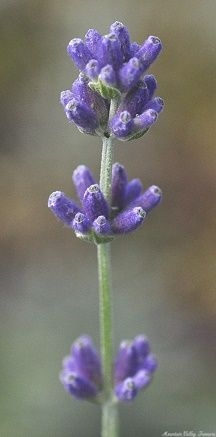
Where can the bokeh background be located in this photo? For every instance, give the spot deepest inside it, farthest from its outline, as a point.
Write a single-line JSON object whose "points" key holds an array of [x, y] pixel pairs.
{"points": [[163, 276]]}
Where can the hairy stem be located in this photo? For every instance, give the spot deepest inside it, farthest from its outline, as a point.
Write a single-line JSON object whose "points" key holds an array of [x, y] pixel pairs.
{"points": [[109, 409]]}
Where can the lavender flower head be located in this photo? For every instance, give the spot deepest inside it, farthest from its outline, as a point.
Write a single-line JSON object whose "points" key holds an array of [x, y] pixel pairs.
{"points": [[113, 67], [93, 219], [81, 373]]}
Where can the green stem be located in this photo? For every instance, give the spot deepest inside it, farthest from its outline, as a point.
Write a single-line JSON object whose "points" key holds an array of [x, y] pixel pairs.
{"points": [[109, 409]]}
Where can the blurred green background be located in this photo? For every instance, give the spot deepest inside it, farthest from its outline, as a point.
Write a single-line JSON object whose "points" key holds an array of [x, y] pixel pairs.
{"points": [[163, 276]]}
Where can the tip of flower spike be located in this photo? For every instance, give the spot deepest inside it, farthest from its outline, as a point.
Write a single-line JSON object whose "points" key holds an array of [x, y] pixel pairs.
{"points": [[126, 391], [54, 198]]}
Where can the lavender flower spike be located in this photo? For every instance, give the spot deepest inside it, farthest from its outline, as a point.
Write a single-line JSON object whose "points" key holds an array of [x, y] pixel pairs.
{"points": [[94, 220], [112, 68]]}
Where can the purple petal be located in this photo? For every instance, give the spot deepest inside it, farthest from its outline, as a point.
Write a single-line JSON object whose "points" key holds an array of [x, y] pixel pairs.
{"points": [[63, 207], [123, 36], [94, 203], [134, 47], [149, 199], [79, 53], [92, 39], [145, 120], [126, 361], [92, 69], [82, 178], [65, 97], [157, 104], [81, 224], [126, 391], [122, 125], [128, 220], [136, 99], [142, 346], [150, 363], [108, 76], [149, 51], [82, 115], [102, 226], [119, 182], [78, 386], [133, 190], [87, 359], [130, 73], [151, 83], [109, 51], [142, 379]]}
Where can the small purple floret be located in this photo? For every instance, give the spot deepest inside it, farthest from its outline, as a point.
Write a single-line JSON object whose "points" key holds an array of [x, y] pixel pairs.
{"points": [[82, 178], [79, 53], [134, 368], [63, 207], [81, 373], [94, 203]]}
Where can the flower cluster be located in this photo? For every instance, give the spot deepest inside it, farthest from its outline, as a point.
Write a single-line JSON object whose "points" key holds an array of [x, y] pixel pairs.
{"points": [[113, 67], [81, 374], [95, 220]]}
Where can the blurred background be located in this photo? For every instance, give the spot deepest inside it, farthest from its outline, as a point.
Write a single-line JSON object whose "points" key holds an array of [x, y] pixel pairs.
{"points": [[163, 276]]}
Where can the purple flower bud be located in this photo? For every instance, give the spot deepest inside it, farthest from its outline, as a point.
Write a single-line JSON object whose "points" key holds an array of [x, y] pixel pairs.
{"points": [[108, 76], [149, 199], [149, 51], [128, 220], [62, 207], [134, 47], [94, 203], [142, 346], [119, 182], [81, 224], [126, 362], [85, 95], [92, 38], [135, 100], [123, 36], [82, 115], [87, 360], [65, 97], [92, 69], [77, 386], [79, 53], [133, 190], [109, 51], [82, 178], [151, 84], [145, 120], [126, 391], [150, 363], [157, 104], [122, 125], [130, 73], [142, 379], [81, 91], [101, 225]]}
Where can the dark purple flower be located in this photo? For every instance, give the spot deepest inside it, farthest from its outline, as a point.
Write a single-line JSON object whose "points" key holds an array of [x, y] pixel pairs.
{"points": [[112, 67], [95, 220], [81, 371], [79, 53], [134, 368]]}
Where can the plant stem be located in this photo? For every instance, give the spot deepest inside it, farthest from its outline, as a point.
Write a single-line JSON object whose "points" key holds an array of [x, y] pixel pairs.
{"points": [[109, 409]]}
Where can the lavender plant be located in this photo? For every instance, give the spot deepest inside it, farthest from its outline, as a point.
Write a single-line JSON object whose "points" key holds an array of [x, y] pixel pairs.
{"points": [[112, 98]]}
